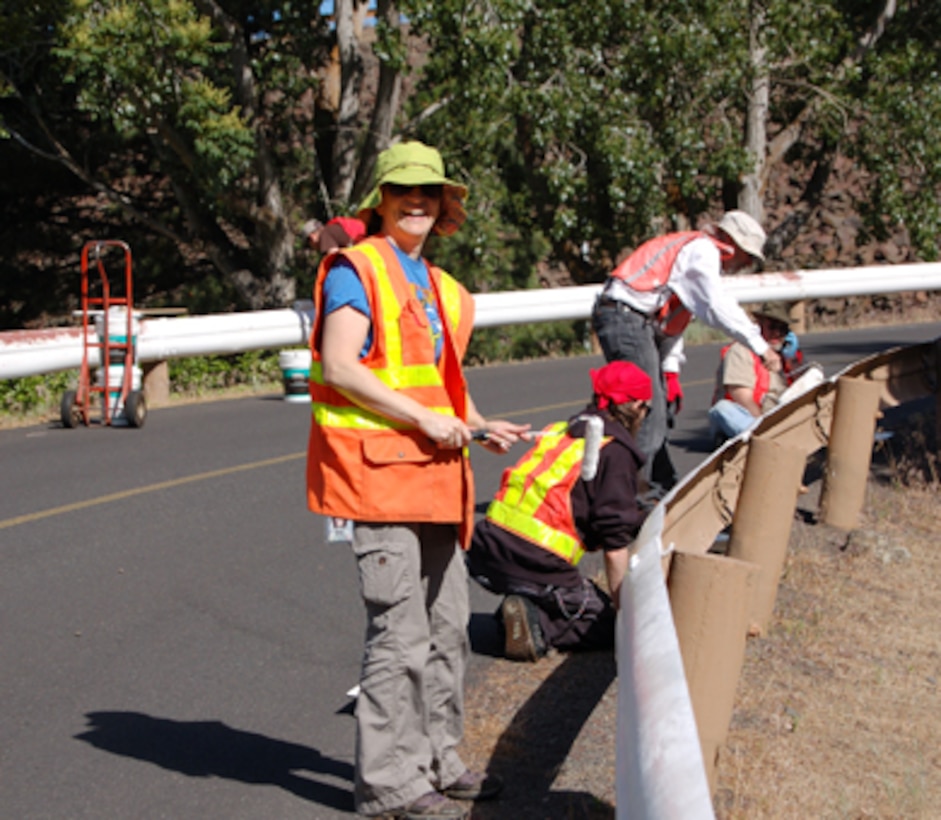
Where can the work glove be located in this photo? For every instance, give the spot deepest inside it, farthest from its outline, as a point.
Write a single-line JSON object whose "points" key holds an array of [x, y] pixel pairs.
{"points": [[791, 346], [674, 392]]}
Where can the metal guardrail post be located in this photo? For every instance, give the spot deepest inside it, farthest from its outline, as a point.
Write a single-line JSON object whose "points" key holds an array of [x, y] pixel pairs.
{"points": [[156, 381], [849, 453], [709, 598], [798, 314], [937, 396], [761, 526]]}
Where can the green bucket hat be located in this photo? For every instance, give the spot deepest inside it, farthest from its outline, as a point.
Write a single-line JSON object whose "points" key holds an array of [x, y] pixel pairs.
{"points": [[414, 163]]}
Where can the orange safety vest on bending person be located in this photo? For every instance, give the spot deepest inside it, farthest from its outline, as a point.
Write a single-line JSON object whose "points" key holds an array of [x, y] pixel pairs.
{"points": [[648, 268], [362, 465], [762, 379], [534, 500]]}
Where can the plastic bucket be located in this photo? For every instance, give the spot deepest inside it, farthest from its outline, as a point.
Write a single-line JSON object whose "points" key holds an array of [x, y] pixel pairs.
{"points": [[295, 371], [115, 376], [117, 333]]}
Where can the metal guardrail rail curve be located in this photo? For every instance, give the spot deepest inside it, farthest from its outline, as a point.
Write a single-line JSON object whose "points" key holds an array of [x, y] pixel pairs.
{"points": [[32, 352], [660, 769]]}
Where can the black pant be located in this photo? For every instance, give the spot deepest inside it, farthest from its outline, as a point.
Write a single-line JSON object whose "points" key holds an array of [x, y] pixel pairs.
{"points": [[573, 614]]}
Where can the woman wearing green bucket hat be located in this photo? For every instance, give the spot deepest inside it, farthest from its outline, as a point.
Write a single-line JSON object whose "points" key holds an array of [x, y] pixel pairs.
{"points": [[406, 165], [391, 423]]}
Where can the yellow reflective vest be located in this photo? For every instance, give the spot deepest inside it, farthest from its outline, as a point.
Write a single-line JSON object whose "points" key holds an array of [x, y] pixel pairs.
{"points": [[362, 465], [534, 500]]}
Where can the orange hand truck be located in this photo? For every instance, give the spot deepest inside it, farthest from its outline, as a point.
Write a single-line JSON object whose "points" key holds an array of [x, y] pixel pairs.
{"points": [[121, 403]]}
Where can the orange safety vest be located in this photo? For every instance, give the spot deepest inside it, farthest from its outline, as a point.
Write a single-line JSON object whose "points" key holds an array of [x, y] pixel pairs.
{"points": [[362, 465], [535, 496], [762, 378], [648, 268]]}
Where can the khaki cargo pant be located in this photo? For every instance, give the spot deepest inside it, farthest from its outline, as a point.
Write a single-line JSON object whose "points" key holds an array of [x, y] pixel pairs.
{"points": [[410, 710]]}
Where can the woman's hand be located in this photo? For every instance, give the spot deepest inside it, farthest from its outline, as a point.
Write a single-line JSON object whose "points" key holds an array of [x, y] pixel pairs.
{"points": [[448, 432], [501, 434]]}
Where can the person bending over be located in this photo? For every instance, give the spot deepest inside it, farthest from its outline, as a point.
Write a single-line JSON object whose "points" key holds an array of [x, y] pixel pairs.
{"points": [[648, 300]]}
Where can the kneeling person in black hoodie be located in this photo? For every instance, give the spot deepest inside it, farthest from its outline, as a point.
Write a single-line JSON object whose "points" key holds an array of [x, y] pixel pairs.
{"points": [[574, 491]]}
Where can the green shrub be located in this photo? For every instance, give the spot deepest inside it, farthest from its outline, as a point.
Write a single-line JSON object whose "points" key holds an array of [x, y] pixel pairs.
{"points": [[35, 395], [40, 396], [197, 375], [516, 342]]}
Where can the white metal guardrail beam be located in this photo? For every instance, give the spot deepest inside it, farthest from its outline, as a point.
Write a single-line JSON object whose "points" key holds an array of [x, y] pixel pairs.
{"points": [[25, 353], [658, 754]]}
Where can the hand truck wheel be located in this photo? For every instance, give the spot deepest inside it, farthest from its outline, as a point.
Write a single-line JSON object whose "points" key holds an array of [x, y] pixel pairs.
{"points": [[69, 411], [135, 407]]}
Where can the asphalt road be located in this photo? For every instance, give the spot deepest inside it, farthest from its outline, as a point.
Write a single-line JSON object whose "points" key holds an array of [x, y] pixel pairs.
{"points": [[178, 640]]}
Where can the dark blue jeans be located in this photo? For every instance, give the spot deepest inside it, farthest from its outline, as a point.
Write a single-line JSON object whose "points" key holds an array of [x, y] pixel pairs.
{"points": [[627, 335]]}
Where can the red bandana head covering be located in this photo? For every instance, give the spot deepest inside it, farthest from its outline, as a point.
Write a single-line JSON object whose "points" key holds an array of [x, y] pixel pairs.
{"points": [[619, 382]]}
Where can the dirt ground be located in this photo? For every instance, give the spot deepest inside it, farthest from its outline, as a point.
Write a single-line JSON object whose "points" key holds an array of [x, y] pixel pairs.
{"points": [[837, 708]]}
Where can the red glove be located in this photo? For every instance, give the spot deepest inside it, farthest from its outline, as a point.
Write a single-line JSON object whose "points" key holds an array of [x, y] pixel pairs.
{"points": [[674, 392]]}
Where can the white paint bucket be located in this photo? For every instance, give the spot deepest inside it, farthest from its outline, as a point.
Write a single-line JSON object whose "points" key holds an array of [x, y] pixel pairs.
{"points": [[295, 370], [117, 333], [115, 376]]}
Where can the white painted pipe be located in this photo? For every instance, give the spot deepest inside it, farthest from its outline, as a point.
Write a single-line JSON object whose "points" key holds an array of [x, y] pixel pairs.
{"points": [[25, 353], [223, 333]]}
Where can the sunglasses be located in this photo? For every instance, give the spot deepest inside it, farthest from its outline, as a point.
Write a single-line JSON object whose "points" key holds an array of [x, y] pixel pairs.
{"points": [[775, 327], [432, 191]]}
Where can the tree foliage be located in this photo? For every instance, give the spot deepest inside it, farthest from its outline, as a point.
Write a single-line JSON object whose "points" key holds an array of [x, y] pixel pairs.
{"points": [[605, 127], [205, 131], [186, 120]]}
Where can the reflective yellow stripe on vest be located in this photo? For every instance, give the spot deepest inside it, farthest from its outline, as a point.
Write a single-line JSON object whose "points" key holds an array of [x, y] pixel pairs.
{"points": [[515, 510], [416, 375], [357, 417], [388, 300], [396, 375], [451, 297]]}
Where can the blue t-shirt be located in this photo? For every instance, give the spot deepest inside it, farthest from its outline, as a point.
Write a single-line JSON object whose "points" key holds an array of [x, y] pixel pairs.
{"points": [[343, 286]]}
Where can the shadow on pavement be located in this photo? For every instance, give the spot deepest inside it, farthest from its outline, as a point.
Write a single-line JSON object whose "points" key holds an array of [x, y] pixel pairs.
{"points": [[535, 746], [212, 749]]}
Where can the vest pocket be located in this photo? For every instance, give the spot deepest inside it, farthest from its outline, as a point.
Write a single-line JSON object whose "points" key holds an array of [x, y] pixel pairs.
{"points": [[398, 450]]}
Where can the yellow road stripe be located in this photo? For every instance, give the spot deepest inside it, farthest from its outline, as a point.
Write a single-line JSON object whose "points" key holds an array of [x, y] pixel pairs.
{"points": [[150, 488], [177, 482], [543, 409]]}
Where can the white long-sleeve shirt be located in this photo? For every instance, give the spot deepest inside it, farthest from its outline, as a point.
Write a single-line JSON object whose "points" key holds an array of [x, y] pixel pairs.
{"points": [[696, 279]]}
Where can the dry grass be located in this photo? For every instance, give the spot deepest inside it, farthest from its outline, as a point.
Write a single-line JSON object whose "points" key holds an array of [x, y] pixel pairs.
{"points": [[837, 709]]}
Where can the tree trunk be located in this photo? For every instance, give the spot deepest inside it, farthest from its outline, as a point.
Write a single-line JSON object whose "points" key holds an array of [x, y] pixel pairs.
{"points": [[351, 75], [384, 112], [751, 195], [790, 134], [274, 239]]}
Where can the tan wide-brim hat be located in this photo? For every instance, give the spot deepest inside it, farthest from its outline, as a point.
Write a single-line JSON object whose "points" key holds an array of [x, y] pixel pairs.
{"points": [[744, 230], [414, 163], [777, 311]]}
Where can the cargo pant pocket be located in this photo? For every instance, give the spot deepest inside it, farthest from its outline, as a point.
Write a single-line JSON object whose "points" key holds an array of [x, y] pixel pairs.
{"points": [[384, 572]]}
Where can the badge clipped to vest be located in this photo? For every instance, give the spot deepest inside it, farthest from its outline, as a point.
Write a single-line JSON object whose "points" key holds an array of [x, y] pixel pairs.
{"points": [[339, 530]]}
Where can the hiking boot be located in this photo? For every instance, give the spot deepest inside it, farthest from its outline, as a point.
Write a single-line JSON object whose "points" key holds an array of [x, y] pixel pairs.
{"points": [[474, 786], [430, 806], [524, 640]]}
